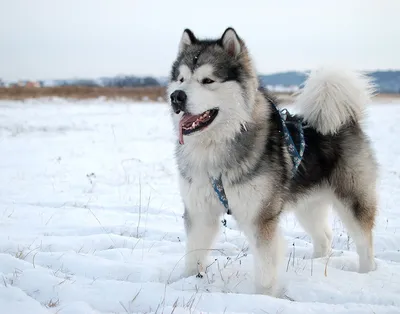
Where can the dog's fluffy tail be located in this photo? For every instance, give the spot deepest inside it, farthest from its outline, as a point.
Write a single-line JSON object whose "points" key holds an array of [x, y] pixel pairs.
{"points": [[331, 98]]}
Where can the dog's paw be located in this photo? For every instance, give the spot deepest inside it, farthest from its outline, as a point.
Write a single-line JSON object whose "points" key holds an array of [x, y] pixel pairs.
{"points": [[271, 289], [367, 266], [321, 253], [189, 272], [192, 269]]}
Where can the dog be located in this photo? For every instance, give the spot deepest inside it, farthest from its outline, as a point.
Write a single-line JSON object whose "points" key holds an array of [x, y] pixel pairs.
{"points": [[233, 155]]}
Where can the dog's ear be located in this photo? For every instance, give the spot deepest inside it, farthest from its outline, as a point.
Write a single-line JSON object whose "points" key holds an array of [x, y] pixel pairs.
{"points": [[187, 39], [231, 42]]}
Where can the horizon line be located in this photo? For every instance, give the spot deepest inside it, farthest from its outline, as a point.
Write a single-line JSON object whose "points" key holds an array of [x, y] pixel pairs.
{"points": [[166, 76]]}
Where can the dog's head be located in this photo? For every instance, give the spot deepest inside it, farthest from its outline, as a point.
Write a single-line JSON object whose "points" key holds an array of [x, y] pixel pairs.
{"points": [[212, 86]]}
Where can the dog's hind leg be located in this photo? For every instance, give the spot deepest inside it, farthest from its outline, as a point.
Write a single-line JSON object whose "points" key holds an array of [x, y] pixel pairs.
{"points": [[354, 186], [313, 217], [358, 216]]}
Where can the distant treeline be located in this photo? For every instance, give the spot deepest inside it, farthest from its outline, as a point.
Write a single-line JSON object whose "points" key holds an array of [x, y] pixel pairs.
{"points": [[386, 81], [118, 81]]}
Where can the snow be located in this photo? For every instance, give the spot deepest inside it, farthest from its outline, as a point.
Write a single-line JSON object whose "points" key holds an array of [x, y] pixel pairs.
{"points": [[90, 222]]}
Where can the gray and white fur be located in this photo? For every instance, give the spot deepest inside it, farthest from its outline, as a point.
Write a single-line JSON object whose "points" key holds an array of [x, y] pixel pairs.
{"points": [[243, 143]]}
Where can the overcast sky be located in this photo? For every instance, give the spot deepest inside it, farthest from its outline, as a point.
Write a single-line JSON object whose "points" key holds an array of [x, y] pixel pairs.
{"points": [[45, 39]]}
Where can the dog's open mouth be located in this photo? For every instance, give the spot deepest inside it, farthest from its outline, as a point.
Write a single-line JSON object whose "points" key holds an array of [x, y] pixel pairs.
{"points": [[192, 123]]}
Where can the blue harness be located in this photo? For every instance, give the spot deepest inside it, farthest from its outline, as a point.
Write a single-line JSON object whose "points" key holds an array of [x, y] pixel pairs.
{"points": [[296, 155], [219, 190]]}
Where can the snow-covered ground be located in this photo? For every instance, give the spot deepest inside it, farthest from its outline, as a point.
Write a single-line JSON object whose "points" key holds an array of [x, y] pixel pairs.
{"points": [[90, 222]]}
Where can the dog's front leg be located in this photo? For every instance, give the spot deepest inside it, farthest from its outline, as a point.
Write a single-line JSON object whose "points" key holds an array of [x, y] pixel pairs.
{"points": [[201, 228], [268, 247]]}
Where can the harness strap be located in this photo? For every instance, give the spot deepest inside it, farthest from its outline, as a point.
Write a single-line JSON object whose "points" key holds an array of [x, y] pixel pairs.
{"points": [[296, 155], [220, 191]]}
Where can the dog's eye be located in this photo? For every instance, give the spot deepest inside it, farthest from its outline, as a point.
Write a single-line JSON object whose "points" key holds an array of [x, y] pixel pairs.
{"points": [[207, 81], [181, 80]]}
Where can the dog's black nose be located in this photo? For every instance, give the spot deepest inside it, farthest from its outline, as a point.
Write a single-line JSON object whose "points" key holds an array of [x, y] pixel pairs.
{"points": [[178, 100]]}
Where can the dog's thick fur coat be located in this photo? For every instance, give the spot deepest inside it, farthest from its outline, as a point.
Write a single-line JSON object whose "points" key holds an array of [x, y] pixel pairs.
{"points": [[244, 145]]}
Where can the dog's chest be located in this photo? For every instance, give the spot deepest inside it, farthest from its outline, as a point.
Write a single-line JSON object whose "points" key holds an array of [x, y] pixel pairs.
{"points": [[199, 195], [245, 200]]}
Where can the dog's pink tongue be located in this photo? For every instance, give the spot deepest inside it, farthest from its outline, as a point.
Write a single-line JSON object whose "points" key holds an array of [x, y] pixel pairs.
{"points": [[187, 119]]}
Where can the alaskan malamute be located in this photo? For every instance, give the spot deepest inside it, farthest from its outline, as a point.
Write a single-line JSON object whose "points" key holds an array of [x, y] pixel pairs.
{"points": [[234, 153]]}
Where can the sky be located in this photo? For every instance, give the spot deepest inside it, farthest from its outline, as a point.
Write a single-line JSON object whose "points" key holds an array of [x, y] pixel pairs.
{"points": [[47, 39]]}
